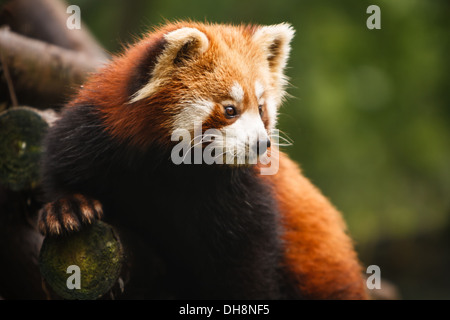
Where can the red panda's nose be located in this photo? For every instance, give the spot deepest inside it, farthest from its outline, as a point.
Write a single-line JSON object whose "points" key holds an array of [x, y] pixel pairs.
{"points": [[262, 146]]}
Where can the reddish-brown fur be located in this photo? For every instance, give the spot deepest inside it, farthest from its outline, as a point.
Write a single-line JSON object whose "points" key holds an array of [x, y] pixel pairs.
{"points": [[106, 89], [318, 251]]}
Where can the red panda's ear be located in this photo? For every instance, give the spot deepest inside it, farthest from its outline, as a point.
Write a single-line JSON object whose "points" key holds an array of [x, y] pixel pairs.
{"points": [[183, 44], [275, 41], [180, 46]]}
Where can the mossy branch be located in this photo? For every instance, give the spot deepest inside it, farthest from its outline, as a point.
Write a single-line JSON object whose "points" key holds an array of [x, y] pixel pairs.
{"points": [[95, 252], [42, 64]]}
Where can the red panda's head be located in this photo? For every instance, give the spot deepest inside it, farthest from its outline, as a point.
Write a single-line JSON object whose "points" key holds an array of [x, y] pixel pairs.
{"points": [[229, 78]]}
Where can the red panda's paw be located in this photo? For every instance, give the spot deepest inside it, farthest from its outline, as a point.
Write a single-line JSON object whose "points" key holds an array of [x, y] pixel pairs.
{"points": [[68, 214]]}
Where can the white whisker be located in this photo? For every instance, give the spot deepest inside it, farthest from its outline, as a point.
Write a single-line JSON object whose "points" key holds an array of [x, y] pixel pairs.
{"points": [[199, 142]]}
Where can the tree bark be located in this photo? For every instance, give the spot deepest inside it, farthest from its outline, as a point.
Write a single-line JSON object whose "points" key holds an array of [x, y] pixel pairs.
{"points": [[42, 62], [21, 133], [46, 60], [45, 20], [43, 75], [95, 252]]}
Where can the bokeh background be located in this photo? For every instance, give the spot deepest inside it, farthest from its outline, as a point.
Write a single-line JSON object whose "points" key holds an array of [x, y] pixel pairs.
{"points": [[369, 115]]}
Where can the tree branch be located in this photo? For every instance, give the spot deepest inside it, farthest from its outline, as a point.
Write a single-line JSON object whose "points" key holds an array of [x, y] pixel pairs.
{"points": [[43, 75], [12, 92], [45, 20]]}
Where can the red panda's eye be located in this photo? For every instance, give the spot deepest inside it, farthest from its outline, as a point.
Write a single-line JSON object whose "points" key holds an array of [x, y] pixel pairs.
{"points": [[230, 111], [261, 111]]}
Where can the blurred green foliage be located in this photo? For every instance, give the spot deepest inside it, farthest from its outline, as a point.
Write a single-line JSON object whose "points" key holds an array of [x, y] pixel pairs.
{"points": [[370, 109]]}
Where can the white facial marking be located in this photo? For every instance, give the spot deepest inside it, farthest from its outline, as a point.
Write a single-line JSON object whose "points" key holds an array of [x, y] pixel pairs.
{"points": [[272, 111], [192, 111], [227, 102], [245, 131], [259, 90], [236, 92]]}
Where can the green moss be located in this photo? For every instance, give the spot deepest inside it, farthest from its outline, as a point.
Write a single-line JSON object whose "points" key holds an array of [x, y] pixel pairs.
{"points": [[21, 133], [96, 250]]}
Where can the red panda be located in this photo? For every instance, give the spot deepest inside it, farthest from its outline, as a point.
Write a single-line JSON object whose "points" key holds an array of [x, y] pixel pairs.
{"points": [[219, 231]]}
